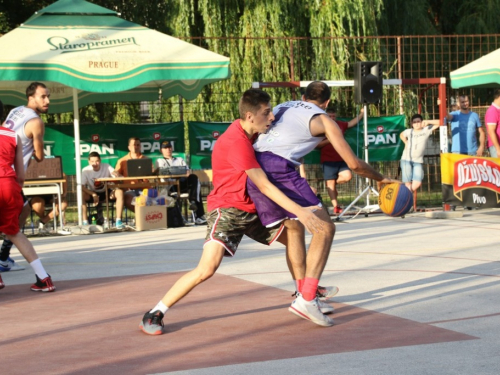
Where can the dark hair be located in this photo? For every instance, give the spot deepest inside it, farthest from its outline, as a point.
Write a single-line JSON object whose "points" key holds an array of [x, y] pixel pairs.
{"points": [[318, 91], [31, 89], [94, 154], [251, 101], [134, 139], [496, 94], [418, 115]]}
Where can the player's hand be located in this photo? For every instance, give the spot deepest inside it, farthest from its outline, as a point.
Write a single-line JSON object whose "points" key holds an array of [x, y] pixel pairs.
{"points": [[312, 223], [387, 180]]}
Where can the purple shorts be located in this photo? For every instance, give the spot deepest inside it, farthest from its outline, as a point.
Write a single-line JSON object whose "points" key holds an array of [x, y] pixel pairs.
{"points": [[283, 174]]}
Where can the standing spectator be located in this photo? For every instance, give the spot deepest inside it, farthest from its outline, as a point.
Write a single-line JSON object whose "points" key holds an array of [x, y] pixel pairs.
{"points": [[412, 160], [464, 127], [335, 169], [94, 191], [189, 184], [134, 148], [492, 121]]}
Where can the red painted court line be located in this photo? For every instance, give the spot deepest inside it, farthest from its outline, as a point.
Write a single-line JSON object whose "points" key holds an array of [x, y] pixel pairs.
{"points": [[91, 327]]}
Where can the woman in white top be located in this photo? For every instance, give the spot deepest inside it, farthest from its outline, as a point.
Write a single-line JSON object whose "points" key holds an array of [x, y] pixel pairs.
{"points": [[415, 140]]}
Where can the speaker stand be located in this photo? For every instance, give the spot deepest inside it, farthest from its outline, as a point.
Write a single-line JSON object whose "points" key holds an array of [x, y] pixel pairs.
{"points": [[368, 190]]}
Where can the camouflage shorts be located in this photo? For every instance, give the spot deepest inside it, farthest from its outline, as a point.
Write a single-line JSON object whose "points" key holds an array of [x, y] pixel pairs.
{"points": [[228, 225]]}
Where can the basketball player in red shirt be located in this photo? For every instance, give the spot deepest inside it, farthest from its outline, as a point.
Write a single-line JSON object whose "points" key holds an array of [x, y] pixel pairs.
{"points": [[11, 204], [232, 213], [335, 169]]}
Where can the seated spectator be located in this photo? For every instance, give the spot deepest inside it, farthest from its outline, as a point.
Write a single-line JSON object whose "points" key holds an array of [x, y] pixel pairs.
{"points": [[94, 191], [134, 147], [39, 202], [188, 184]]}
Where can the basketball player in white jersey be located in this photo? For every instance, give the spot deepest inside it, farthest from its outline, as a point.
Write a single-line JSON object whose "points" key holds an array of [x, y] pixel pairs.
{"points": [[297, 129], [26, 122]]}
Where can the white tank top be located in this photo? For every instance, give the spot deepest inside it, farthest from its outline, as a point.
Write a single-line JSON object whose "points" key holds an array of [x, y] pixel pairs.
{"points": [[16, 120], [289, 135]]}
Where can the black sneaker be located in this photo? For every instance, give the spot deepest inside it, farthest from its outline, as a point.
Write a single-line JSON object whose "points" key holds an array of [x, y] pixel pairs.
{"points": [[152, 323], [44, 285], [193, 206]]}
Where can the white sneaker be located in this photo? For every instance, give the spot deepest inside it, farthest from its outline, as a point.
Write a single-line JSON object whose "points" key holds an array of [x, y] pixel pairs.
{"points": [[325, 308], [326, 292], [310, 310], [200, 221], [10, 265], [44, 228]]}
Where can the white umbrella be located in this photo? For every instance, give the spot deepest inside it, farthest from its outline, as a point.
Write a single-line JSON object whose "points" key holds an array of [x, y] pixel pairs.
{"points": [[84, 53], [483, 72]]}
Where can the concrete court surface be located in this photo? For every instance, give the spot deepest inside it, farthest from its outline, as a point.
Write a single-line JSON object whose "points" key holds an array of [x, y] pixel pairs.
{"points": [[417, 296]]}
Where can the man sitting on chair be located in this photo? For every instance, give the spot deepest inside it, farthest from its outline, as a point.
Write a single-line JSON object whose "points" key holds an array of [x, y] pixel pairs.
{"points": [[94, 191], [189, 184]]}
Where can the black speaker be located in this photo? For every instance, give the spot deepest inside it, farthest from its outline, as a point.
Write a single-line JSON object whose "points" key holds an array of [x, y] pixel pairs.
{"points": [[368, 82]]}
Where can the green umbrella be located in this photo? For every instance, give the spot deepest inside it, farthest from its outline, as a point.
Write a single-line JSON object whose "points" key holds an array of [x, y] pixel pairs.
{"points": [[483, 72], [85, 53]]}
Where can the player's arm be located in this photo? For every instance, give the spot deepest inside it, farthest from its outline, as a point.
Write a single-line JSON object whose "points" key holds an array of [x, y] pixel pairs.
{"points": [[36, 129], [357, 119], [18, 162], [323, 143], [324, 125], [304, 214]]}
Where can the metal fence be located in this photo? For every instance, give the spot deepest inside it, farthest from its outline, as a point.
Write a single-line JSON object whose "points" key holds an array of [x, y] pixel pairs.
{"points": [[403, 57]]}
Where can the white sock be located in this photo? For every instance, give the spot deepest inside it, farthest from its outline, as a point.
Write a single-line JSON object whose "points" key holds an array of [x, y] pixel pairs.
{"points": [[38, 268], [160, 306]]}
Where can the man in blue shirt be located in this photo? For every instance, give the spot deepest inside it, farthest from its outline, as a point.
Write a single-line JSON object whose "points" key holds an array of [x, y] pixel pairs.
{"points": [[464, 127]]}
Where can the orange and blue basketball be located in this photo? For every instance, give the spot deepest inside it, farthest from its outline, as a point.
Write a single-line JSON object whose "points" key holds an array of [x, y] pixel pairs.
{"points": [[395, 199]]}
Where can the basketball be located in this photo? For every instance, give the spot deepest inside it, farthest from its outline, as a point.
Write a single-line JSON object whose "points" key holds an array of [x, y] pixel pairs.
{"points": [[395, 200]]}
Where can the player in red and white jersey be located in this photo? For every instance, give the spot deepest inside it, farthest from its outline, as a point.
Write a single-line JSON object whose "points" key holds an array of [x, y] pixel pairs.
{"points": [[11, 204]]}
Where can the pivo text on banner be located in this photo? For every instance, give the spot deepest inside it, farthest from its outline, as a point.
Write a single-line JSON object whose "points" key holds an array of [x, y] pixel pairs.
{"points": [[470, 181]]}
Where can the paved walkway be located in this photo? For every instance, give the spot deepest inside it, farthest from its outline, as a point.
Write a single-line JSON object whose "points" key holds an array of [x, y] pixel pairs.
{"points": [[417, 296]]}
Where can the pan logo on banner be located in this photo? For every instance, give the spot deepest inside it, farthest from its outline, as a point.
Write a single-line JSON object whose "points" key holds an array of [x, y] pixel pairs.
{"points": [[470, 181], [111, 141]]}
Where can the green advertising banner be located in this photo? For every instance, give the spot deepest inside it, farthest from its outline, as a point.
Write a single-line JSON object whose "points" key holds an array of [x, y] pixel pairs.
{"points": [[383, 140], [202, 137], [111, 141], [384, 143]]}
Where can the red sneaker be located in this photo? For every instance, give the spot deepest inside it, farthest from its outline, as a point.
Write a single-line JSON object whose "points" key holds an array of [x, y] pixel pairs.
{"points": [[2, 285], [337, 210], [44, 285]]}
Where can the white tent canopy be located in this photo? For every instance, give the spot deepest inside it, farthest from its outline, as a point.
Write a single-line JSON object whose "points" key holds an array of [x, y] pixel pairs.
{"points": [[84, 53]]}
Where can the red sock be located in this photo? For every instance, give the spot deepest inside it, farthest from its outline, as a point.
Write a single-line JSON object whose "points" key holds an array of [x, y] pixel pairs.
{"points": [[299, 284], [309, 288]]}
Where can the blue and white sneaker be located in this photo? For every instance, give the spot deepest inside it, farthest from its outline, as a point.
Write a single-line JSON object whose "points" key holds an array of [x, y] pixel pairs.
{"points": [[119, 224], [10, 265]]}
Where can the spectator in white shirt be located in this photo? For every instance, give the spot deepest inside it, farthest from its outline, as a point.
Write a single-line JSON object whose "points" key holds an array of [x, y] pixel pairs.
{"points": [[189, 184], [94, 191]]}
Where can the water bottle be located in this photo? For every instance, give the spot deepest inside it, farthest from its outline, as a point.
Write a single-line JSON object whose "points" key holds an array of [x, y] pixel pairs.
{"points": [[106, 225], [93, 220]]}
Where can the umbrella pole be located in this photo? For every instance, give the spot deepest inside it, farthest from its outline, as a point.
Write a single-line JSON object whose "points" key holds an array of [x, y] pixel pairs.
{"points": [[76, 123]]}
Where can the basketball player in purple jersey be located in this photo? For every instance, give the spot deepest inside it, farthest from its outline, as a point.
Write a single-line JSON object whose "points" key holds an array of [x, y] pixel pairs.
{"points": [[297, 129]]}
